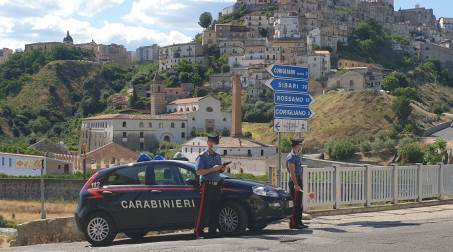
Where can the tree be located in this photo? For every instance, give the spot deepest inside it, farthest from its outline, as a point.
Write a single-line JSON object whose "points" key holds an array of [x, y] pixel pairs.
{"points": [[410, 151], [205, 19], [435, 152], [393, 81], [402, 108]]}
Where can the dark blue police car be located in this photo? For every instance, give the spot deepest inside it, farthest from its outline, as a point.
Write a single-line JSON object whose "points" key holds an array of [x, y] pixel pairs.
{"points": [[164, 195]]}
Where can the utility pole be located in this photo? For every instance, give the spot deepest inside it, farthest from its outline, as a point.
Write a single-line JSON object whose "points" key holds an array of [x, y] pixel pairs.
{"points": [[84, 160], [43, 166]]}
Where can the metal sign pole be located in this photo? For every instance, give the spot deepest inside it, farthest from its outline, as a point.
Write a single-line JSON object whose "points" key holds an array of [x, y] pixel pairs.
{"points": [[279, 161]]}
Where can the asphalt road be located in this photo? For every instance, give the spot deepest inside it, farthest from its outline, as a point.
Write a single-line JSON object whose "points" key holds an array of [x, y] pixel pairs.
{"points": [[446, 134], [422, 229]]}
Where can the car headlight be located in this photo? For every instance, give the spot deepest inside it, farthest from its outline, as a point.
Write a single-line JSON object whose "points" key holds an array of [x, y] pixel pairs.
{"points": [[265, 191]]}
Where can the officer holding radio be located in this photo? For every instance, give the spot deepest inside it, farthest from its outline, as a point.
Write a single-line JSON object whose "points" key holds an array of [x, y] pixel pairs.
{"points": [[209, 166], [294, 167]]}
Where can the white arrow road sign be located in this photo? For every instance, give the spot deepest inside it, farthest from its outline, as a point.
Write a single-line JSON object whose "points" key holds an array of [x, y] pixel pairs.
{"points": [[290, 126]]}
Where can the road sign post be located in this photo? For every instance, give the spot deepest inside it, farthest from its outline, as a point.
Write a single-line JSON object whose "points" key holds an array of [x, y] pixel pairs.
{"points": [[292, 102]]}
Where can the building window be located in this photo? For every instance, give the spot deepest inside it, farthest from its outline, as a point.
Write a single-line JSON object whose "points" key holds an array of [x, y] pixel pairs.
{"points": [[262, 152], [150, 125], [249, 153], [194, 108], [225, 152], [124, 124], [172, 125], [193, 118], [183, 135], [209, 109], [191, 150], [183, 125], [10, 162], [141, 134], [3, 161], [141, 125], [124, 134]]}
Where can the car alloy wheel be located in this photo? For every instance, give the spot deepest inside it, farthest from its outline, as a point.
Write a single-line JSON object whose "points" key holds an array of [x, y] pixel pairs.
{"points": [[228, 219], [98, 229]]}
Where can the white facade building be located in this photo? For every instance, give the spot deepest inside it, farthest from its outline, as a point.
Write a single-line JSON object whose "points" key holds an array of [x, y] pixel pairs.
{"points": [[171, 55], [142, 132], [318, 62], [446, 23], [148, 54], [228, 147], [287, 27], [30, 165]]}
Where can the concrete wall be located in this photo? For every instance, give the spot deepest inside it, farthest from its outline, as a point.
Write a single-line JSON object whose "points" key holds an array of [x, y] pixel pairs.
{"points": [[29, 189]]}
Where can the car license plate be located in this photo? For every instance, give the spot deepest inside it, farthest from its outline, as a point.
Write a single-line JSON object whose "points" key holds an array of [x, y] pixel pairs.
{"points": [[290, 203]]}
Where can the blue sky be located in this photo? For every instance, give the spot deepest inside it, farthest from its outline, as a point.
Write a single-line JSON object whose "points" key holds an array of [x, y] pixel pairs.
{"points": [[132, 23]]}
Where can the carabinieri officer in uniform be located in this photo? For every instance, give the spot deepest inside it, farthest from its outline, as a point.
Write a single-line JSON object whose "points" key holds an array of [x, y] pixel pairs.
{"points": [[209, 166], [294, 167]]}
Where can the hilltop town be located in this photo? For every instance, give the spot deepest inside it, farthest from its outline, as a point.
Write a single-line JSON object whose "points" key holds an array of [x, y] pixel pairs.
{"points": [[74, 99]]}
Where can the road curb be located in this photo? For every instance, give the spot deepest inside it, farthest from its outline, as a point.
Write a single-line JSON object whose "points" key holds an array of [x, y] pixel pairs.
{"points": [[344, 211]]}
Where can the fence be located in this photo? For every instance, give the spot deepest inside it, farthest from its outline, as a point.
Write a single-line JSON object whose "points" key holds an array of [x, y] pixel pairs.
{"points": [[334, 187]]}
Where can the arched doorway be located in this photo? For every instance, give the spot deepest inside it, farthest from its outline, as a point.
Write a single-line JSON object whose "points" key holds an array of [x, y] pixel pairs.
{"points": [[167, 139]]}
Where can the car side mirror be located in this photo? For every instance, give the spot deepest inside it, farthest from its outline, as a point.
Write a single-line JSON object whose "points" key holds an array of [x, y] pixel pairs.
{"points": [[192, 182]]}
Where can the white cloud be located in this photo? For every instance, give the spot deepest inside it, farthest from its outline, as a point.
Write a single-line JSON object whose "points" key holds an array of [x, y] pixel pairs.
{"points": [[151, 11], [6, 25]]}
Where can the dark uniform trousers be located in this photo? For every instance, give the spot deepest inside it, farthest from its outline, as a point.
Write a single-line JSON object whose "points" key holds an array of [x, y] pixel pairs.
{"points": [[296, 215], [209, 207]]}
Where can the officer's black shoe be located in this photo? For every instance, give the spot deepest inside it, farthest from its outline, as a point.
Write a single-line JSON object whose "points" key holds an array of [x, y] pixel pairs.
{"points": [[302, 226]]}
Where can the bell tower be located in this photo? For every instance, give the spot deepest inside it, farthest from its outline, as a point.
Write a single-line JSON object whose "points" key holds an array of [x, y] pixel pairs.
{"points": [[157, 95]]}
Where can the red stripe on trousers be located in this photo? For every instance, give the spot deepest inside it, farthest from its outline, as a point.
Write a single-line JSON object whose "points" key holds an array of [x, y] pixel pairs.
{"points": [[200, 211], [296, 202]]}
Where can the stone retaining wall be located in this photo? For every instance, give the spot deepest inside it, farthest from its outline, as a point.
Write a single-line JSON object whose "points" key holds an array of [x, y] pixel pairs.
{"points": [[29, 189]]}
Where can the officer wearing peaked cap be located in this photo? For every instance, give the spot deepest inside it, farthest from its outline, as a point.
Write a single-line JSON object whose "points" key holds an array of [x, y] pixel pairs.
{"points": [[294, 167], [209, 166]]}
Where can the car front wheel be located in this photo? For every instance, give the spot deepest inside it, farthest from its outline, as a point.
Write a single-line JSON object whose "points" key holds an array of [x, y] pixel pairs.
{"points": [[100, 229], [232, 219]]}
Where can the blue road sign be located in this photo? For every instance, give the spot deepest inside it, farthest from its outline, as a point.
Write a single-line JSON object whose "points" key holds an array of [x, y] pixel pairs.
{"points": [[286, 85], [289, 112], [292, 99], [290, 72]]}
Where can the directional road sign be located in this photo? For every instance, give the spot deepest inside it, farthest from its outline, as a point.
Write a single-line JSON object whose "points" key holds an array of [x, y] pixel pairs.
{"points": [[292, 99], [290, 126], [286, 85], [289, 72], [289, 112]]}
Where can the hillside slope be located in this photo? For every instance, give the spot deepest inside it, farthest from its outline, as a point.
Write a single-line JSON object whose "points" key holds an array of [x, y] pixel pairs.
{"points": [[59, 83], [359, 114]]}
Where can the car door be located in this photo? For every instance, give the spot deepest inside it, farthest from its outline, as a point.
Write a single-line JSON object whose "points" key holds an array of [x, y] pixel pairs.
{"points": [[125, 191], [177, 200]]}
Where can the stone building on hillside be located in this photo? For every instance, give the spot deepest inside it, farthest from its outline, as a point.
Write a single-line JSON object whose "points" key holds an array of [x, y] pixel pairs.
{"points": [[318, 62], [359, 78], [171, 55], [429, 51], [5, 53], [446, 24], [287, 27], [418, 16], [113, 53], [148, 54]]}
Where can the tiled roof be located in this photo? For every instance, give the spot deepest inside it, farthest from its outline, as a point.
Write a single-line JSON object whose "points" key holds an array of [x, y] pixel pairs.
{"points": [[172, 116], [228, 142], [187, 100], [120, 117]]}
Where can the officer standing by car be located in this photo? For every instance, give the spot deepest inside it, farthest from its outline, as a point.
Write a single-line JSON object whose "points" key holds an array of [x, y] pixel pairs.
{"points": [[209, 166], [294, 167]]}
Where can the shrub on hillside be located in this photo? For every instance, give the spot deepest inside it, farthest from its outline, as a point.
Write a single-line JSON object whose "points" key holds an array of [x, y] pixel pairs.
{"points": [[365, 146], [439, 108], [410, 151], [434, 152], [342, 149]]}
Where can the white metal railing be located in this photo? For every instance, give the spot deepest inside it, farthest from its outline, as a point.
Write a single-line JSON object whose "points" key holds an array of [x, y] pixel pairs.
{"points": [[333, 187]]}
